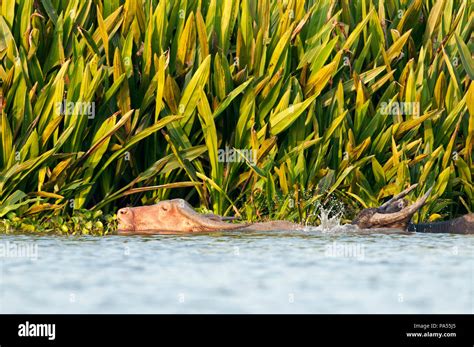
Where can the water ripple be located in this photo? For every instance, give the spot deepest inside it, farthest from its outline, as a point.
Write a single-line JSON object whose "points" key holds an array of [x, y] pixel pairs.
{"points": [[309, 272]]}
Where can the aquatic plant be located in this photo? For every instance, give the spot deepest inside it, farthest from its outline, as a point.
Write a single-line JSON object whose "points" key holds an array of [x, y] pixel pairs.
{"points": [[108, 103]]}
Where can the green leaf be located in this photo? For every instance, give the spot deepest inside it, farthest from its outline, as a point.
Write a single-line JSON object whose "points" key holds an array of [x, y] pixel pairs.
{"points": [[283, 120], [466, 58], [50, 11]]}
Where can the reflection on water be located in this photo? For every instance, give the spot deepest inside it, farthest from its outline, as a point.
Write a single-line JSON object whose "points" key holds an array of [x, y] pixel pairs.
{"points": [[314, 271]]}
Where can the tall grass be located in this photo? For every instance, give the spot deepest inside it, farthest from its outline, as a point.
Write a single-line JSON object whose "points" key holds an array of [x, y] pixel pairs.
{"points": [[301, 83]]}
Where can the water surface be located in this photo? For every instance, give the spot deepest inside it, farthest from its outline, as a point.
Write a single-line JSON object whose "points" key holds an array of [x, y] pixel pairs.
{"points": [[278, 272]]}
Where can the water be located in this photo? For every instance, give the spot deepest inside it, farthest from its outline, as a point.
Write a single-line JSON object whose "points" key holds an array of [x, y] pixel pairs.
{"points": [[340, 271]]}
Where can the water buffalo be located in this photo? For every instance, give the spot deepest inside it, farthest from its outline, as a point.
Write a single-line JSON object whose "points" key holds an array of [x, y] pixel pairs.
{"points": [[177, 216]]}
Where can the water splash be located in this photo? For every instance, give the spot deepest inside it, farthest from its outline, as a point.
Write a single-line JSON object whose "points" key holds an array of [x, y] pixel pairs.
{"points": [[329, 222], [329, 217]]}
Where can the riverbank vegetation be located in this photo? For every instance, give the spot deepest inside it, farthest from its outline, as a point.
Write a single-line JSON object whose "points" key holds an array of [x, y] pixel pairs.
{"points": [[126, 102]]}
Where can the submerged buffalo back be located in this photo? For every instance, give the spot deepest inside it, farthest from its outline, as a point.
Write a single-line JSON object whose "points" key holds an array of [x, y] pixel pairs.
{"points": [[273, 225], [461, 225]]}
